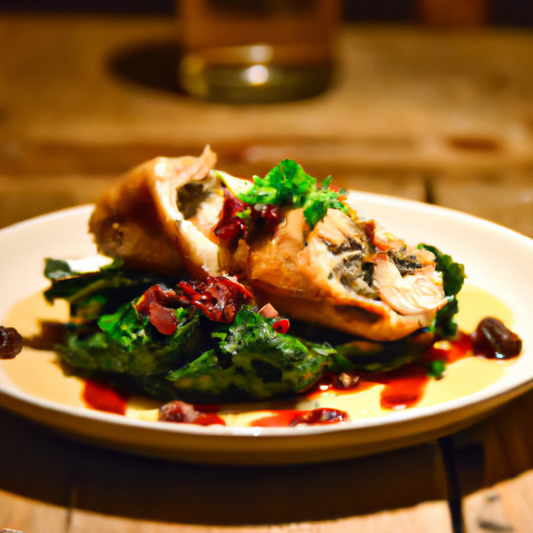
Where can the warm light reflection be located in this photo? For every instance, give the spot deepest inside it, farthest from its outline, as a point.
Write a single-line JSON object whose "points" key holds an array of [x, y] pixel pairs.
{"points": [[256, 74]]}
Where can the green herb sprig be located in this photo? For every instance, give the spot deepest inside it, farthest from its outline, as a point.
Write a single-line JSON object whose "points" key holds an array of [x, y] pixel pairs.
{"points": [[288, 184]]}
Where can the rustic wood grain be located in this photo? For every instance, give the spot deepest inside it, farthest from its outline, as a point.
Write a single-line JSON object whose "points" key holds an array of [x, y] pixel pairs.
{"points": [[409, 109], [502, 197], [403, 98], [27, 515], [21, 199], [506, 507]]}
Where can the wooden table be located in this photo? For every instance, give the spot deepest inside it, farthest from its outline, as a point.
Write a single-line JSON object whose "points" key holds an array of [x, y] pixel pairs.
{"points": [[440, 117]]}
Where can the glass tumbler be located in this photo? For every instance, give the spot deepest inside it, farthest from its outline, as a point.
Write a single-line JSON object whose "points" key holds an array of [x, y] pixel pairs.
{"points": [[257, 51]]}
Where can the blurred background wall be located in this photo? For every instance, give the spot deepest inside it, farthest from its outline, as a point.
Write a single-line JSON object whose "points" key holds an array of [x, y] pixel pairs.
{"points": [[498, 12]]}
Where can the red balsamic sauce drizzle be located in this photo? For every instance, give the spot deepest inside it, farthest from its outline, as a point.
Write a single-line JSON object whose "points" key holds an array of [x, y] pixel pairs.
{"points": [[403, 386], [208, 419], [103, 398]]}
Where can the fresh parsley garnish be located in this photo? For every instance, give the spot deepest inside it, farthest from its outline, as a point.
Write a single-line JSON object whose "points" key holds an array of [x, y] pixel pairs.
{"points": [[319, 201], [288, 184]]}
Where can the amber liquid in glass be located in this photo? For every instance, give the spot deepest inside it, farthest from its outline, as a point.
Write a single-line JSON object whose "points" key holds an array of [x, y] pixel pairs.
{"points": [[257, 51]]}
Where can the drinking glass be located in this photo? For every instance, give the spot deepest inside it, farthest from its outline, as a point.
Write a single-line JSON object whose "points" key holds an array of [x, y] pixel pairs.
{"points": [[257, 51]]}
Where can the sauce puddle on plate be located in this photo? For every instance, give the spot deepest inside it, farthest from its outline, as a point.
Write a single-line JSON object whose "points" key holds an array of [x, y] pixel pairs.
{"points": [[37, 373]]}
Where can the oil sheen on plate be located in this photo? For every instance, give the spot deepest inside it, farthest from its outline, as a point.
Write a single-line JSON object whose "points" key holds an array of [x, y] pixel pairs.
{"points": [[37, 373]]}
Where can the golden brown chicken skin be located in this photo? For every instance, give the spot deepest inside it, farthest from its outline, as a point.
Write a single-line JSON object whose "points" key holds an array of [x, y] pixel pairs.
{"points": [[319, 277], [137, 220]]}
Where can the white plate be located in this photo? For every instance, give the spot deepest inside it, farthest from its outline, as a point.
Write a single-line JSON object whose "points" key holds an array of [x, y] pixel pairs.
{"points": [[497, 260]]}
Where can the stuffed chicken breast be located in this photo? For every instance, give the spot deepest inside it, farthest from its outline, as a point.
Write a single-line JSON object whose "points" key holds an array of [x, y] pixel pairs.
{"points": [[296, 245]]}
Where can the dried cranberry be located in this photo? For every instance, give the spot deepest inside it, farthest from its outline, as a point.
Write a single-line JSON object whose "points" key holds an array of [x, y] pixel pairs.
{"points": [[160, 306], [231, 227], [185, 413], [10, 343], [234, 224], [219, 298], [177, 412], [102, 397], [493, 339], [273, 216]]}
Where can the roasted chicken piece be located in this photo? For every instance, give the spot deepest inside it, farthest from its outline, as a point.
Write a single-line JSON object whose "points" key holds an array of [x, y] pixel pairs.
{"points": [[333, 276], [159, 216]]}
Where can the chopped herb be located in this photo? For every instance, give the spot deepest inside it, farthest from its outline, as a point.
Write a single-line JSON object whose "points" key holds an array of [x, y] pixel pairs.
{"points": [[285, 184], [128, 345], [288, 184], [57, 269], [319, 201]]}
